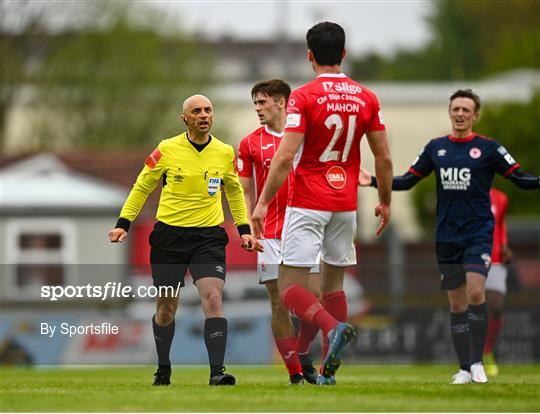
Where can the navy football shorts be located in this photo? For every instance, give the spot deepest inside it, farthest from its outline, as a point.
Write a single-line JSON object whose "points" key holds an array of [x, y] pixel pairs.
{"points": [[174, 250], [455, 259]]}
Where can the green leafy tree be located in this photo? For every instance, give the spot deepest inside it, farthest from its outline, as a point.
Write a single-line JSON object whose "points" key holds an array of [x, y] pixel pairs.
{"points": [[469, 39], [114, 78], [515, 126]]}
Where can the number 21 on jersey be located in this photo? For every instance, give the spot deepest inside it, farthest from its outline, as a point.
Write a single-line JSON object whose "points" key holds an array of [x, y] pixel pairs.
{"points": [[335, 120]]}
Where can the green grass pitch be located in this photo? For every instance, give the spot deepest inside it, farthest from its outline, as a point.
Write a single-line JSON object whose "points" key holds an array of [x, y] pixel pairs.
{"points": [[264, 389]]}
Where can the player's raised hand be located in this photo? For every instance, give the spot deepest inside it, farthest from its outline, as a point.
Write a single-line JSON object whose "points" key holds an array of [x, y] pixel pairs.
{"points": [[117, 235], [257, 220], [250, 243], [364, 178], [382, 211]]}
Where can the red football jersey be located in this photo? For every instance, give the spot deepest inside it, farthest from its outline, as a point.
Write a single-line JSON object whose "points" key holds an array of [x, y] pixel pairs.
{"points": [[333, 112], [499, 205], [255, 154]]}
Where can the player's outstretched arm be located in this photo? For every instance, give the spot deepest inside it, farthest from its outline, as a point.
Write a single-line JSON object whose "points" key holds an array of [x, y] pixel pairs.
{"points": [[364, 178], [399, 182], [524, 180]]}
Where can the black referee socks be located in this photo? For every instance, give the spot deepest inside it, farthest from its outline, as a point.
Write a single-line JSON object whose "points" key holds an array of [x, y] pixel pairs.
{"points": [[215, 338], [478, 324], [461, 335], [163, 336]]}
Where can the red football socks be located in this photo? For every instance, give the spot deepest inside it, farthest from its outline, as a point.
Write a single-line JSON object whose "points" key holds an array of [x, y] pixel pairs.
{"points": [[287, 349], [307, 307], [306, 334], [336, 304]]}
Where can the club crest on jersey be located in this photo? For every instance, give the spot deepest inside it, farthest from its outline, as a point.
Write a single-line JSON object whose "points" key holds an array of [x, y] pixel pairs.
{"points": [[213, 185], [240, 164], [475, 153], [336, 177]]}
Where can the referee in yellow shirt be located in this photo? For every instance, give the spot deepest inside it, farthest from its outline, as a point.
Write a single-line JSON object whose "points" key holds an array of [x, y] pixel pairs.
{"points": [[193, 166]]}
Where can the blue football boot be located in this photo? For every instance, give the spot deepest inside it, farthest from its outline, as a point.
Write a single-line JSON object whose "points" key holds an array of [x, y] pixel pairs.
{"points": [[338, 337]]}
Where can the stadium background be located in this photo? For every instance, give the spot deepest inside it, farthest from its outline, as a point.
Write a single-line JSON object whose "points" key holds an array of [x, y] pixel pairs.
{"points": [[88, 89]]}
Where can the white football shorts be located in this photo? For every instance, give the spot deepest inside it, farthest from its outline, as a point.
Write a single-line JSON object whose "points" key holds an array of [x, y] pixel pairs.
{"points": [[269, 260], [496, 279], [308, 233]]}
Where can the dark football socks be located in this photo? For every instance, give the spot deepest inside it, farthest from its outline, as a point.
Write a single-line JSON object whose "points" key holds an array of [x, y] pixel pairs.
{"points": [[163, 336], [478, 323], [461, 337], [215, 338]]}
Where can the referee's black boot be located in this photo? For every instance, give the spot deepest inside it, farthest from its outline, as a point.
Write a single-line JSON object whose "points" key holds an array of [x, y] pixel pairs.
{"points": [[222, 379], [162, 375]]}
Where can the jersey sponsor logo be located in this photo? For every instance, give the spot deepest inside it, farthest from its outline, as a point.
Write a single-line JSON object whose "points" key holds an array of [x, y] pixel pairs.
{"points": [[441, 152], [336, 177], [341, 87], [293, 120], [455, 178], [327, 86], [213, 185], [475, 153], [153, 159], [265, 147]]}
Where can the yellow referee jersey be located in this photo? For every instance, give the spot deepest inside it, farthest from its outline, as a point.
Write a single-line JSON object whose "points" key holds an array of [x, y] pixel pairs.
{"points": [[191, 194]]}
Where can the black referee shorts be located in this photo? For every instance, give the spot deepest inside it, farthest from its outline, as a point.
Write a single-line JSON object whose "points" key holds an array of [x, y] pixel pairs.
{"points": [[174, 250]]}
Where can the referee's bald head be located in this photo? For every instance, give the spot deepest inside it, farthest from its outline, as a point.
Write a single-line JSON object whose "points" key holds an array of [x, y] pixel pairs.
{"points": [[194, 101]]}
